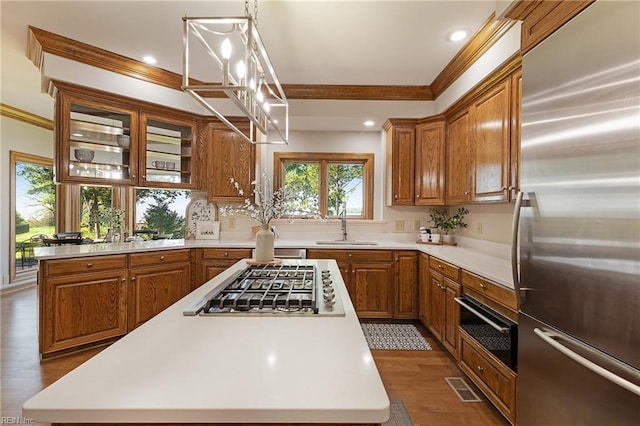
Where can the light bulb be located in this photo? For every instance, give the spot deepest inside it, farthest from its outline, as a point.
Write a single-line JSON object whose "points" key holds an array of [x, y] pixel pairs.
{"points": [[266, 106], [226, 49], [252, 84], [259, 96], [241, 69]]}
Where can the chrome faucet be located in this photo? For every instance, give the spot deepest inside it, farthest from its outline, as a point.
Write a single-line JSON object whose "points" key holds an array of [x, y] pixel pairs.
{"points": [[343, 221]]}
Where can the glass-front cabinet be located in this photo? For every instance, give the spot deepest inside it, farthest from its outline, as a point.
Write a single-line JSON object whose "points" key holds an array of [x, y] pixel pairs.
{"points": [[95, 142], [106, 142], [167, 146]]}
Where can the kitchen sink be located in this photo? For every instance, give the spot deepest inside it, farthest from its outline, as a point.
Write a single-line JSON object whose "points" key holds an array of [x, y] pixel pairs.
{"points": [[347, 243]]}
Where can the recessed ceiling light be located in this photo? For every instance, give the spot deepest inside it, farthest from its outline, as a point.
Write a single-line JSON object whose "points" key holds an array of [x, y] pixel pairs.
{"points": [[458, 35], [149, 60], [369, 123]]}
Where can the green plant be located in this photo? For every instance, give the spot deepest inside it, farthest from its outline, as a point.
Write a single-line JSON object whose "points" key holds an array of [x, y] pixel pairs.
{"points": [[446, 222], [112, 218]]}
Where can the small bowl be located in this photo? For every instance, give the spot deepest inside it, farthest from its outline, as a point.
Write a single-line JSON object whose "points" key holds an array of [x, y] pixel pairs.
{"points": [[84, 155], [123, 141]]}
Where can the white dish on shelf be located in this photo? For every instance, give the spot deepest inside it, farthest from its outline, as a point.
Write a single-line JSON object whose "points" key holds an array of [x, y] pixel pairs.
{"points": [[84, 155], [123, 141]]}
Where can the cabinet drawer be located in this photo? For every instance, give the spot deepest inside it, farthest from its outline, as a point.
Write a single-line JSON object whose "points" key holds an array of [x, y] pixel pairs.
{"points": [[351, 255], [498, 294], [159, 257], [236, 253], [446, 269], [494, 379], [81, 265]]}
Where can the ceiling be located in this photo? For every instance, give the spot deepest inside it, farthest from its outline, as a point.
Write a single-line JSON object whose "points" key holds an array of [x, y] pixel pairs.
{"points": [[309, 42]]}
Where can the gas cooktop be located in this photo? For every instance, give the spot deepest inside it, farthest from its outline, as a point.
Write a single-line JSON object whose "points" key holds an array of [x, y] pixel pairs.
{"points": [[272, 290]]}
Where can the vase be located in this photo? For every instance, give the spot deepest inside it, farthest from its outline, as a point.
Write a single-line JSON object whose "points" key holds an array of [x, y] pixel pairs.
{"points": [[448, 239], [108, 238], [264, 244]]}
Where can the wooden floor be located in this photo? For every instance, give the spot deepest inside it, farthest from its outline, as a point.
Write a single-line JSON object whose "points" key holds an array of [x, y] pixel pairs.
{"points": [[415, 377]]}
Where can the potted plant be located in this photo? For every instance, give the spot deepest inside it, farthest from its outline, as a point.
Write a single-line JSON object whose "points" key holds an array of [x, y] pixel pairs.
{"points": [[446, 222], [114, 219]]}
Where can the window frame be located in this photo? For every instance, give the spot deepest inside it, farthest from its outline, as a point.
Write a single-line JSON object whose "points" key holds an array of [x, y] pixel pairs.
{"points": [[324, 159]]}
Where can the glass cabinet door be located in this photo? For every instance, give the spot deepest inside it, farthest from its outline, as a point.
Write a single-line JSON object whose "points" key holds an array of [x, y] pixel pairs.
{"points": [[166, 152], [97, 144]]}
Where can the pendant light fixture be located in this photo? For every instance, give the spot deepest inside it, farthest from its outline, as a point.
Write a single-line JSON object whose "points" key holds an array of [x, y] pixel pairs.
{"points": [[241, 70]]}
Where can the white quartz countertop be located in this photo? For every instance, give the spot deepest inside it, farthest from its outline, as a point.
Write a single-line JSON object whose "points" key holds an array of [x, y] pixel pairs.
{"points": [[190, 369], [493, 268]]}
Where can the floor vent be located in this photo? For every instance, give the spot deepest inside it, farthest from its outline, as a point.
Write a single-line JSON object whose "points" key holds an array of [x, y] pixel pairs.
{"points": [[462, 389]]}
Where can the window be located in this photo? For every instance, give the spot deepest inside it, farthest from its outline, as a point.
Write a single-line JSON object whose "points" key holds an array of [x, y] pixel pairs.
{"points": [[162, 210], [328, 181], [92, 199]]}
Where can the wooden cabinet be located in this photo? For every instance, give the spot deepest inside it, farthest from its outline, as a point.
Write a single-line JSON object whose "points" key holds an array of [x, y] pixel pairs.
{"points": [[81, 301], [458, 160], [228, 156], [491, 144], [368, 276], [443, 317], [406, 277], [157, 280], [430, 163], [213, 261], [401, 152], [104, 139], [424, 307], [491, 376]]}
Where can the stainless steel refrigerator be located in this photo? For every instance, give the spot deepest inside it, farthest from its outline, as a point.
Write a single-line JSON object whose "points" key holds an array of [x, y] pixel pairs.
{"points": [[579, 217]]}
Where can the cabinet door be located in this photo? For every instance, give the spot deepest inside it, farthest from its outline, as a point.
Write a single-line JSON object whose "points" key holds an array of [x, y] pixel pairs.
{"points": [[402, 173], [373, 289], [451, 316], [458, 160], [166, 147], [406, 274], [228, 156], [83, 308], [96, 142], [516, 114], [430, 164], [155, 288], [491, 144], [424, 289], [436, 311]]}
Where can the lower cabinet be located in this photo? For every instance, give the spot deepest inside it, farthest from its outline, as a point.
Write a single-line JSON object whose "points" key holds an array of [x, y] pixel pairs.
{"points": [[492, 377], [443, 316], [165, 279], [406, 277], [423, 289], [368, 276], [81, 301], [212, 261]]}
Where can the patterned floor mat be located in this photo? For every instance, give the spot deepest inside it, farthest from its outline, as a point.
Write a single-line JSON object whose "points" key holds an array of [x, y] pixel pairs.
{"points": [[394, 337], [398, 415]]}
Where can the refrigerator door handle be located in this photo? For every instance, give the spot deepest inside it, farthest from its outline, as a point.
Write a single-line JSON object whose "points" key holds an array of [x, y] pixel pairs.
{"points": [[503, 330], [550, 338], [514, 246]]}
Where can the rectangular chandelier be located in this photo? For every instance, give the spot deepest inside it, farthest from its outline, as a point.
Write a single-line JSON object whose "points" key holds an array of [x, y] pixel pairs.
{"points": [[242, 71]]}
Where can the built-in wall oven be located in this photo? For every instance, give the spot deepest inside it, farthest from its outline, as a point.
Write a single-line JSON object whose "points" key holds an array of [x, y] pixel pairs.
{"points": [[493, 331]]}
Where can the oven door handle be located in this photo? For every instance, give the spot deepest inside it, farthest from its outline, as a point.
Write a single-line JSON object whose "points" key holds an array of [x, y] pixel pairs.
{"points": [[552, 339], [498, 327]]}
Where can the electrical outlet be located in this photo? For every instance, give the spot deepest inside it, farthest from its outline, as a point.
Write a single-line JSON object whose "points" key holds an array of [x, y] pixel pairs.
{"points": [[5, 279], [399, 226], [479, 228], [416, 225], [232, 223]]}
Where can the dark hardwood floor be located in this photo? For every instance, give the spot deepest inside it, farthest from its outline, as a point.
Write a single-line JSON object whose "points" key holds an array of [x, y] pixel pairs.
{"points": [[415, 377]]}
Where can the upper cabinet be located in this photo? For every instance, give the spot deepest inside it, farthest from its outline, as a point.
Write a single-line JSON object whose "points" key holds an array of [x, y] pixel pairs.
{"points": [[104, 140], [430, 163], [228, 156], [401, 150], [458, 159]]}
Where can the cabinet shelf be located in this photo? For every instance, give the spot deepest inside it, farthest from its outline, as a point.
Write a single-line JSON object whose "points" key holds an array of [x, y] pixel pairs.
{"points": [[100, 146], [78, 125], [168, 139]]}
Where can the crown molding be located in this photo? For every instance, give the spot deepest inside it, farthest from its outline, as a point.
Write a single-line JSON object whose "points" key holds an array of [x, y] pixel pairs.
{"points": [[478, 44], [26, 117]]}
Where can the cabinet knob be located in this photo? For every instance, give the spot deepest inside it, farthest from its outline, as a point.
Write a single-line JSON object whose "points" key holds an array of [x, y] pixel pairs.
{"points": [[511, 188], [466, 192], [89, 265], [480, 369], [144, 176], [226, 254], [439, 266], [133, 278], [395, 196], [483, 285], [123, 280], [161, 257], [349, 255], [417, 196], [504, 188], [133, 176], [397, 259]]}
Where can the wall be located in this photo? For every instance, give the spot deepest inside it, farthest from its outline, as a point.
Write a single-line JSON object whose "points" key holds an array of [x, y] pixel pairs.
{"points": [[16, 136]]}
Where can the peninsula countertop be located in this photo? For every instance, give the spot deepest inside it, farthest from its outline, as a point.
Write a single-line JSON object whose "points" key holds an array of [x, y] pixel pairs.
{"points": [[193, 369], [492, 267]]}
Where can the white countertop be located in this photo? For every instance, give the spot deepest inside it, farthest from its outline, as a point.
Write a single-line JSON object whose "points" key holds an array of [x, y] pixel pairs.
{"points": [[491, 267], [183, 369]]}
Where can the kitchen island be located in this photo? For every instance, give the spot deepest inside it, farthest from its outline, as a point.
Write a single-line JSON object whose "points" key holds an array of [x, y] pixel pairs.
{"points": [[238, 369]]}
